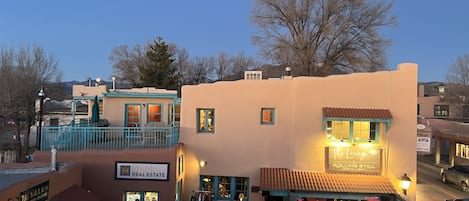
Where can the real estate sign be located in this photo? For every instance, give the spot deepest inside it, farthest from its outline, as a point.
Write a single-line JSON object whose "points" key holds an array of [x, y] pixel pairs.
{"points": [[142, 170]]}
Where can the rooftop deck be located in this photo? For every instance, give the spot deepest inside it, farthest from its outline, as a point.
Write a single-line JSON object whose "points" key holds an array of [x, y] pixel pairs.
{"points": [[77, 138]]}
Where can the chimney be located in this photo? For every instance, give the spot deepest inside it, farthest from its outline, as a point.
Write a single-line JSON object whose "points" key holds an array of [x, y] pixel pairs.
{"points": [[53, 158]]}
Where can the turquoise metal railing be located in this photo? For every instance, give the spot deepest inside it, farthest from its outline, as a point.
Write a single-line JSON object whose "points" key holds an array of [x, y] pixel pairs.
{"points": [[77, 138]]}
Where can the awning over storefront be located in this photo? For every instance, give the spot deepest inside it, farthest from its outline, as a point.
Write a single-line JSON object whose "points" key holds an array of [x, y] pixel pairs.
{"points": [[378, 115], [281, 179], [331, 112]]}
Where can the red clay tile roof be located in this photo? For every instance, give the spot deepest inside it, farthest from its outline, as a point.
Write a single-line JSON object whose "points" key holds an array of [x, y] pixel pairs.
{"points": [[284, 179], [356, 113]]}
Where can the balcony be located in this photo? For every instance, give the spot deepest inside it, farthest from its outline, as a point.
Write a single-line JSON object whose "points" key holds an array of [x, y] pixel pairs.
{"points": [[78, 138]]}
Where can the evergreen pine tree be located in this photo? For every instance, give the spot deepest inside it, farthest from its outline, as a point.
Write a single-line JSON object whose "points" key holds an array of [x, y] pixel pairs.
{"points": [[160, 71]]}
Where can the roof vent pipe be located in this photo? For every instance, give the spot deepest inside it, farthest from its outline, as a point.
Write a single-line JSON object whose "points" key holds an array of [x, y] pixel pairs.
{"points": [[53, 158]]}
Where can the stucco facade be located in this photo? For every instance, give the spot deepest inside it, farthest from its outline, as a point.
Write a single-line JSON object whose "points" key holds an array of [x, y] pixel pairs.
{"points": [[239, 144], [25, 178]]}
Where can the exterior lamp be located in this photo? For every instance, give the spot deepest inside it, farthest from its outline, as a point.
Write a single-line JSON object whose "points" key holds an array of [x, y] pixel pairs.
{"points": [[41, 95], [287, 71], [98, 80], [405, 183], [203, 163], [113, 83]]}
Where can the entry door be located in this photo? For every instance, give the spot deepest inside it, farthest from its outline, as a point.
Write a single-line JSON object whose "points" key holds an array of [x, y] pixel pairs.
{"points": [[132, 115]]}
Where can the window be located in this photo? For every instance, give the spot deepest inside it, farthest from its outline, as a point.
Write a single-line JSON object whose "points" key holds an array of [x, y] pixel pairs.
{"points": [[154, 113], [54, 122], [441, 110], [133, 115], [141, 195], [355, 131], [338, 130], [205, 120], [226, 188], [176, 111], [180, 164], [267, 115]]}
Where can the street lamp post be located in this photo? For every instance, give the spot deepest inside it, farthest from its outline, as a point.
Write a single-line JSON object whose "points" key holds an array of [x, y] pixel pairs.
{"points": [[41, 95]]}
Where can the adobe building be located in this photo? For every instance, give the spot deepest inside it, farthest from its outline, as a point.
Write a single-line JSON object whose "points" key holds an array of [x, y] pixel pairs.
{"points": [[350, 137], [42, 181], [134, 155]]}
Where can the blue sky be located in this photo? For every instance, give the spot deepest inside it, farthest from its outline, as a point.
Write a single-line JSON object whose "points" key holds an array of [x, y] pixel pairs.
{"points": [[81, 34]]}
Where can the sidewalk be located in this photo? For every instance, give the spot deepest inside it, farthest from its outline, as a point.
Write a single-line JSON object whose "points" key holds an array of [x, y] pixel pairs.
{"points": [[430, 159]]}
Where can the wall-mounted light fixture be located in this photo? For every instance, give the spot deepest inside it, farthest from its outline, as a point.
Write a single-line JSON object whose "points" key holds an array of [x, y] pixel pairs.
{"points": [[203, 163], [405, 183]]}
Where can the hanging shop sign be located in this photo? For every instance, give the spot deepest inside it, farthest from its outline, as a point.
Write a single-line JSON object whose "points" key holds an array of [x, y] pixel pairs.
{"points": [[142, 170], [423, 144], [354, 160]]}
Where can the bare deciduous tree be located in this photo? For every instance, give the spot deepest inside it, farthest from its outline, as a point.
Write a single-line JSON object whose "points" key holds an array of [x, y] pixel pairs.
{"points": [[22, 72], [316, 37], [200, 69], [457, 79], [223, 65], [125, 62], [242, 63]]}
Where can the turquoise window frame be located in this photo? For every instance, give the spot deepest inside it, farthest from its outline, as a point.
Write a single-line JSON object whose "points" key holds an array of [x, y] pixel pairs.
{"points": [[233, 191], [272, 113], [148, 112], [206, 120], [126, 113], [378, 132], [172, 111]]}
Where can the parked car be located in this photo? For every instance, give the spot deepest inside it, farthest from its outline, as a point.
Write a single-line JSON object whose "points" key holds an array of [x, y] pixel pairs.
{"points": [[458, 174]]}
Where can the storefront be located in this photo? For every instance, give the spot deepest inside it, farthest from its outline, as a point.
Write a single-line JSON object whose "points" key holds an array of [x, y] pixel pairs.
{"points": [[457, 139], [278, 184]]}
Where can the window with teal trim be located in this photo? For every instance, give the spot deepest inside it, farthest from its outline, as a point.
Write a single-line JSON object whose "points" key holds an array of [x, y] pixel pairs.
{"points": [[141, 195], [225, 187], [154, 113], [267, 115], [352, 131], [205, 120]]}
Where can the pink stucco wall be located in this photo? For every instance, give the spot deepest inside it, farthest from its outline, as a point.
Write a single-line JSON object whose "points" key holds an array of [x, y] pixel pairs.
{"points": [[99, 170], [240, 145], [58, 181]]}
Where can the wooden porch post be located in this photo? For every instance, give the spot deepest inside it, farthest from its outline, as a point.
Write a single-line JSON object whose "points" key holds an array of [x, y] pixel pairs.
{"points": [[437, 150], [452, 152]]}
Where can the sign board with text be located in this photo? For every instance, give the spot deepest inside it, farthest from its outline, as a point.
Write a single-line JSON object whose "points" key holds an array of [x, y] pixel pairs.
{"points": [[142, 171], [423, 144], [354, 160]]}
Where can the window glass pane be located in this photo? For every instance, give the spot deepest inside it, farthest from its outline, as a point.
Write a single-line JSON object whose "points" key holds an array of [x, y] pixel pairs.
{"points": [[151, 196], [176, 113], [154, 113], [340, 130], [267, 115], [132, 196], [241, 188], [361, 130], [133, 115], [206, 120], [373, 130], [224, 186], [207, 183]]}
